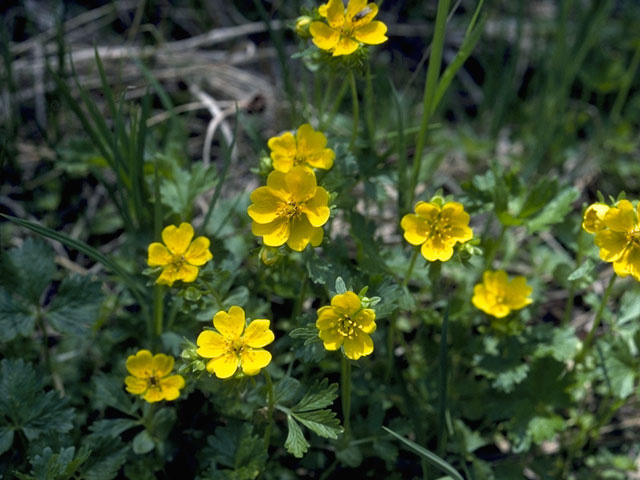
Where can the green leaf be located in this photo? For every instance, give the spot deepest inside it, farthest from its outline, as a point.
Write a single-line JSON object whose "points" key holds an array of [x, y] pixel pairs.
{"points": [[108, 456], [584, 270], [286, 390], [75, 307], [6, 438], [545, 428], [340, 287], [110, 392], [112, 428], [555, 211], [351, 456], [629, 307], [15, 318], [295, 444], [560, 343], [163, 421], [322, 422], [236, 447], [621, 370], [143, 443], [430, 457], [56, 466], [28, 270], [24, 406], [320, 395], [179, 192]]}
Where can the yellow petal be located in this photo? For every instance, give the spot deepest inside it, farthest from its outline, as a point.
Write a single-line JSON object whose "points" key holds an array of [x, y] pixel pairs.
{"points": [[347, 303], [158, 255], [331, 339], [140, 365], [628, 263], [415, 229], [518, 294], [273, 234], [253, 360], [428, 211], [257, 334], [171, 386], [359, 345], [620, 218], [612, 244], [162, 364], [323, 36], [593, 217], [230, 325], [335, 13], [316, 236], [372, 33], [224, 366], [300, 233], [327, 318], [309, 141], [198, 252], [345, 46], [321, 159], [211, 344], [365, 320], [301, 183], [363, 16], [316, 208], [436, 249], [266, 203], [177, 239], [168, 276], [282, 163], [135, 385], [276, 181], [187, 273], [284, 144], [154, 394], [354, 7], [322, 10]]}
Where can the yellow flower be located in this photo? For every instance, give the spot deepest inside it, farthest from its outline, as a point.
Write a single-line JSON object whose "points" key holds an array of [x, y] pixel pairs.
{"points": [[619, 239], [347, 324], [593, 217], [348, 27], [437, 229], [150, 377], [291, 209], [307, 147], [229, 348], [498, 296], [181, 257]]}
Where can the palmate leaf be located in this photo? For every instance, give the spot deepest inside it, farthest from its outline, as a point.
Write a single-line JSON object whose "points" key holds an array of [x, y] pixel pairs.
{"points": [[179, 192], [310, 412], [24, 406], [76, 305], [56, 466], [15, 318], [236, 448], [27, 270]]}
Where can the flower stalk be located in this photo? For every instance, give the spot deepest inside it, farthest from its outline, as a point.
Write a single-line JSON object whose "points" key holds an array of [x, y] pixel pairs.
{"points": [[270, 407], [346, 396], [356, 110], [586, 346]]}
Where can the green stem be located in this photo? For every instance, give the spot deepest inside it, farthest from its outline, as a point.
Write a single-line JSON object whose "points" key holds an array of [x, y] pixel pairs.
{"points": [[270, 406], [45, 343], [335, 106], [586, 346], [356, 110], [368, 102], [568, 308], [626, 85], [346, 397], [442, 405], [297, 310], [158, 310], [430, 85], [412, 264], [491, 255]]}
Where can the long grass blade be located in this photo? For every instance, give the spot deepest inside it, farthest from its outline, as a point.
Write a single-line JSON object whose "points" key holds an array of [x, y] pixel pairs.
{"points": [[429, 456]]}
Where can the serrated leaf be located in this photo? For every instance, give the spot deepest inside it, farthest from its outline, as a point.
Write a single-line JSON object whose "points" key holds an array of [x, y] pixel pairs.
{"points": [[322, 422], [112, 428], [286, 390], [238, 296], [629, 307], [143, 443], [6, 439], [340, 287], [110, 392], [76, 305], [545, 428], [108, 456], [179, 192], [621, 371], [351, 456], [555, 211], [582, 271], [24, 406], [295, 444], [236, 447], [560, 343], [15, 318], [162, 422], [320, 395], [28, 270]]}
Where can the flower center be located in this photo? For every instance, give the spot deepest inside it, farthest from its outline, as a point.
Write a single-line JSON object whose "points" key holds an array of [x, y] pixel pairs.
{"points": [[440, 229], [154, 382], [634, 236], [237, 346], [291, 209], [178, 261], [347, 326]]}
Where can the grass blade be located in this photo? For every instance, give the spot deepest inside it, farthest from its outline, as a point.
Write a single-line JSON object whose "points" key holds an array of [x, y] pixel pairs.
{"points": [[430, 457]]}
